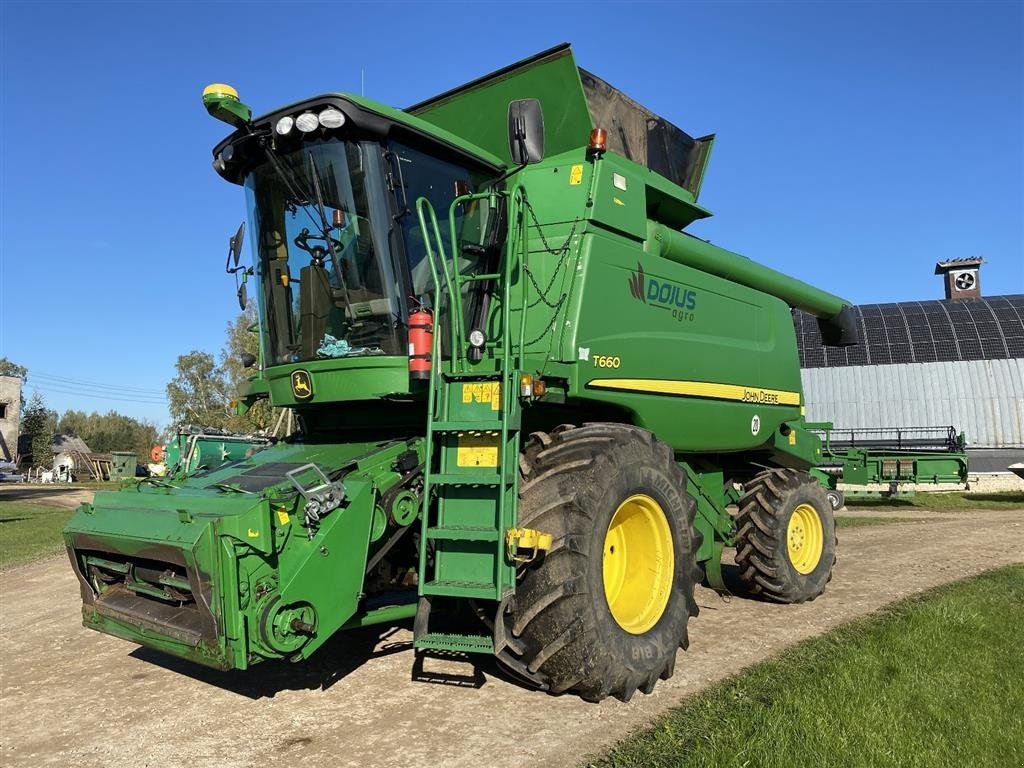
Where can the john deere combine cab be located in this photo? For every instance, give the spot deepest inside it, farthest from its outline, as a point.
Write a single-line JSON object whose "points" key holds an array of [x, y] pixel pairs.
{"points": [[525, 396]]}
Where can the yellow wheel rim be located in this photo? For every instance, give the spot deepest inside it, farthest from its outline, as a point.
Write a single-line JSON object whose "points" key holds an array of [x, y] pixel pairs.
{"points": [[805, 538], [639, 563]]}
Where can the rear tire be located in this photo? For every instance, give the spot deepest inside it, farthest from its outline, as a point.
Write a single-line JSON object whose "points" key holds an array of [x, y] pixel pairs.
{"points": [[836, 498], [786, 536], [585, 618]]}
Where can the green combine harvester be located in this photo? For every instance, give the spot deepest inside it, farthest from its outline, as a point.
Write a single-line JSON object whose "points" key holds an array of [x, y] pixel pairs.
{"points": [[525, 397]]}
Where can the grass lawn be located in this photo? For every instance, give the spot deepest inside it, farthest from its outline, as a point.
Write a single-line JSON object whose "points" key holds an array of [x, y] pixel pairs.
{"points": [[29, 530], [849, 521], [944, 501], [937, 680]]}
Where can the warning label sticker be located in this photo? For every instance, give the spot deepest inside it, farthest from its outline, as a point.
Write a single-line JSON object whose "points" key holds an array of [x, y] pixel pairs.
{"points": [[477, 449], [483, 392]]}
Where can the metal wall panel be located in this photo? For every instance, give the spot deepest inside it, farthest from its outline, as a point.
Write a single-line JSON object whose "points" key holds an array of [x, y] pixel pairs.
{"points": [[984, 398]]}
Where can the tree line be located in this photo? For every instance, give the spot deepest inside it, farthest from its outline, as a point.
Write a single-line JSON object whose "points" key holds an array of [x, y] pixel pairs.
{"points": [[202, 393], [102, 432]]}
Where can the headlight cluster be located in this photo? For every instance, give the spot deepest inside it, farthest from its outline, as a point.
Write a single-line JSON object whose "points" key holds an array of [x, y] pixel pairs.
{"points": [[308, 121]]}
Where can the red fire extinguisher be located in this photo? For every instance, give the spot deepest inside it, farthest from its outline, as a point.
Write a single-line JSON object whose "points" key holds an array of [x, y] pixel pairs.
{"points": [[421, 342]]}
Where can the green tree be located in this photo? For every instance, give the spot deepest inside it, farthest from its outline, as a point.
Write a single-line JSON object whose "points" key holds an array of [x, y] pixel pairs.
{"points": [[243, 339], [203, 390], [74, 423], [199, 392], [38, 425], [9, 368]]}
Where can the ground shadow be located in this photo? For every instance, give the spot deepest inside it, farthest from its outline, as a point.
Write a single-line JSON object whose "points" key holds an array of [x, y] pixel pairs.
{"points": [[733, 586], [50, 494], [336, 659], [341, 655], [349, 650]]}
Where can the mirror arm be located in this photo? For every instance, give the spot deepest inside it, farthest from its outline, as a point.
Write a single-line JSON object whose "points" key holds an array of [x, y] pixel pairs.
{"points": [[502, 177]]}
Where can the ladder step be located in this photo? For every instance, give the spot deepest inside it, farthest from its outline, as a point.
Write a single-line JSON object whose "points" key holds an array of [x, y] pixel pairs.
{"points": [[463, 533], [482, 589], [449, 642], [469, 478], [466, 426]]}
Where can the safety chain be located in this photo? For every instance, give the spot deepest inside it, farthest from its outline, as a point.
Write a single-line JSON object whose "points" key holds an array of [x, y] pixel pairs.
{"points": [[542, 295]]}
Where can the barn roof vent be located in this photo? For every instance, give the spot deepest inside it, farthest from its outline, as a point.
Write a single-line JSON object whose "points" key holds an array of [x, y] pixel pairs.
{"points": [[962, 277]]}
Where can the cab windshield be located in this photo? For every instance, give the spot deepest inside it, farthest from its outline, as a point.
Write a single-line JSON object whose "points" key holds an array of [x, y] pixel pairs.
{"points": [[320, 221]]}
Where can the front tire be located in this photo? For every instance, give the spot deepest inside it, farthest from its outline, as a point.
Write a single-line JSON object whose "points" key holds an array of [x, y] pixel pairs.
{"points": [[605, 610]]}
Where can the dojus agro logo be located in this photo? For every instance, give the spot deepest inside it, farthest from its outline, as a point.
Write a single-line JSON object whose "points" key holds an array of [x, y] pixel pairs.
{"points": [[663, 294]]}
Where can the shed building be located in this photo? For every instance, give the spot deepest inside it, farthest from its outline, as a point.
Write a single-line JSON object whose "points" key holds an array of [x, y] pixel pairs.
{"points": [[955, 362]]}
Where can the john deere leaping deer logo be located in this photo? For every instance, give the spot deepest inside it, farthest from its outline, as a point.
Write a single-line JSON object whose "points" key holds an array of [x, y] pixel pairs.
{"points": [[302, 385]]}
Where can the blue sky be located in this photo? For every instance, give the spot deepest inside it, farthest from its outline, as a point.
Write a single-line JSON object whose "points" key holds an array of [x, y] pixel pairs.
{"points": [[857, 145]]}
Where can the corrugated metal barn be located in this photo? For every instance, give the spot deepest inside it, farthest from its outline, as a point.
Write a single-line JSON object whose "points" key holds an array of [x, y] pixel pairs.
{"points": [[957, 362]]}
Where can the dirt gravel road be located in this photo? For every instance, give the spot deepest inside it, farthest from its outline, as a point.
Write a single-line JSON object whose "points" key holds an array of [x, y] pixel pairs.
{"points": [[74, 697]]}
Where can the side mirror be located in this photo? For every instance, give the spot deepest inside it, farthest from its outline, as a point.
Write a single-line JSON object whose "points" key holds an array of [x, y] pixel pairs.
{"points": [[235, 249], [525, 131], [248, 359], [243, 293]]}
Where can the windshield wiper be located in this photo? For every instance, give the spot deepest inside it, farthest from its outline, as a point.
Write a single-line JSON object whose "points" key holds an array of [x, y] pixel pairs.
{"points": [[289, 181]]}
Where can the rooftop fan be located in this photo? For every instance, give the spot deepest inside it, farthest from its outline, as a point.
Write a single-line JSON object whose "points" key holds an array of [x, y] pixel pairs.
{"points": [[964, 281]]}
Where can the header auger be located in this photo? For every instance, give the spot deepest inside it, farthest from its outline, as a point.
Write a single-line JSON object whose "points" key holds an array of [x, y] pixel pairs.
{"points": [[520, 388]]}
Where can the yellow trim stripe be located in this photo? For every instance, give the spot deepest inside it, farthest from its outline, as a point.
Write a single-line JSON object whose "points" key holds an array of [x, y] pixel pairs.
{"points": [[755, 395]]}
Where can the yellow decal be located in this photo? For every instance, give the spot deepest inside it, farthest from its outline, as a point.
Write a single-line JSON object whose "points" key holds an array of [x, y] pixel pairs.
{"points": [[477, 449], [282, 517], [576, 175], [792, 438], [253, 533], [607, 361], [756, 395], [483, 392], [617, 201]]}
